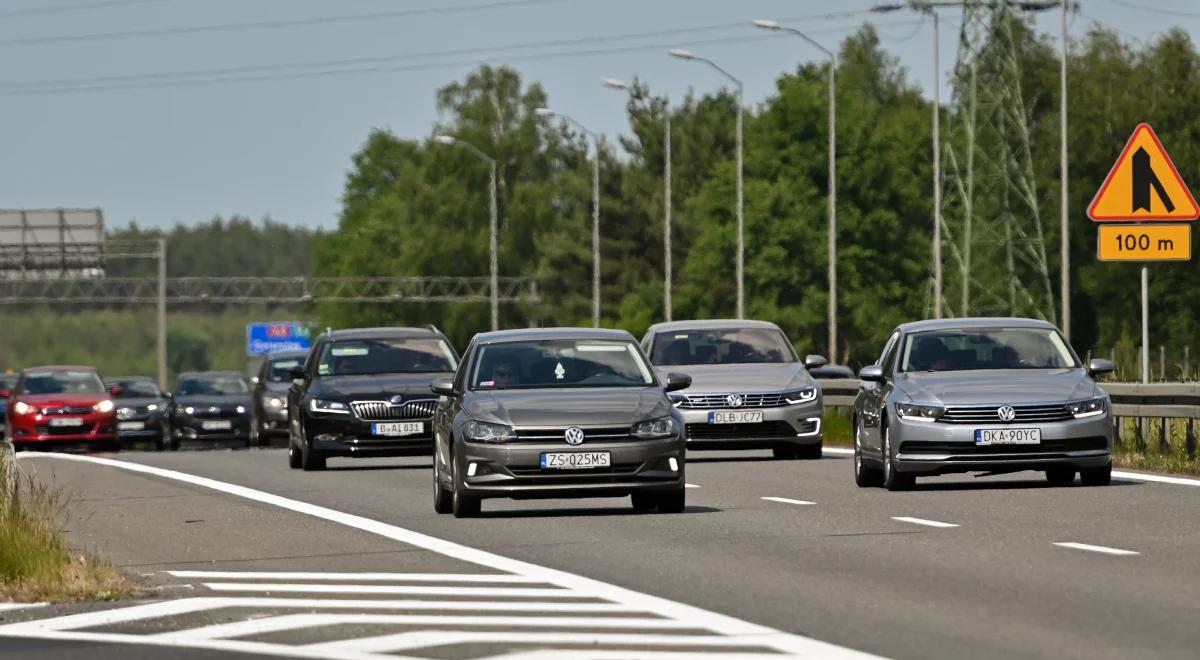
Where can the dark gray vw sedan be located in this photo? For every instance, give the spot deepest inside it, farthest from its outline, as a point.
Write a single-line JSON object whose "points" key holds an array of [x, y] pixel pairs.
{"points": [[557, 413], [992, 395]]}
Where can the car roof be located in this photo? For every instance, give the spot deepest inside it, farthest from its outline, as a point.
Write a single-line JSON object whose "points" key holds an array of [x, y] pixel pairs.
{"points": [[976, 322], [208, 374], [60, 367], [287, 354], [380, 333], [131, 378], [527, 334], [705, 324]]}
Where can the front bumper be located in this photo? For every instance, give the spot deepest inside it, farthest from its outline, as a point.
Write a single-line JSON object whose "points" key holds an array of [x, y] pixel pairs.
{"points": [[932, 448], [37, 431], [273, 421], [192, 428], [798, 425], [152, 427], [514, 470], [349, 436]]}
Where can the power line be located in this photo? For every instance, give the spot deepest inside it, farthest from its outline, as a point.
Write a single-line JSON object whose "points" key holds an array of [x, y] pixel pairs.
{"points": [[1155, 10], [267, 25], [82, 6]]}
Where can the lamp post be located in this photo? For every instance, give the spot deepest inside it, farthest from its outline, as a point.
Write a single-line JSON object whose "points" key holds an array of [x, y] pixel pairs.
{"points": [[547, 112], [492, 223], [832, 258], [741, 293], [613, 83]]}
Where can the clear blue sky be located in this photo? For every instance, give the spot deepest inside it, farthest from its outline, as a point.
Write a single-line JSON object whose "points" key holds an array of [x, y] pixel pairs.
{"points": [[280, 146]]}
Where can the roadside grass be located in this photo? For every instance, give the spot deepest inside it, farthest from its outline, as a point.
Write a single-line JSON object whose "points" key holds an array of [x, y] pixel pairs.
{"points": [[36, 565]]}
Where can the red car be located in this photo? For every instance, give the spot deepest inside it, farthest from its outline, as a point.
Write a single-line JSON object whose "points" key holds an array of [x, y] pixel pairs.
{"points": [[51, 406]]}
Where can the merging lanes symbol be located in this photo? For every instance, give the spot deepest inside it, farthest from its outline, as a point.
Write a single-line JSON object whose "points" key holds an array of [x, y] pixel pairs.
{"points": [[1144, 184]]}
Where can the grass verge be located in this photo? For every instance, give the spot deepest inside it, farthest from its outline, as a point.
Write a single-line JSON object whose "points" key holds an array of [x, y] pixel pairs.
{"points": [[36, 565]]}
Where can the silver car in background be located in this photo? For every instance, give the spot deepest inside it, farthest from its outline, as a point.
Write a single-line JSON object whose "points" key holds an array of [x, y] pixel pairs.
{"points": [[992, 395], [749, 389]]}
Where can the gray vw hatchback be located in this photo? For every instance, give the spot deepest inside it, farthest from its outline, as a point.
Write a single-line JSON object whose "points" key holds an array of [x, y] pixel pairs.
{"points": [[557, 413], [992, 395]]}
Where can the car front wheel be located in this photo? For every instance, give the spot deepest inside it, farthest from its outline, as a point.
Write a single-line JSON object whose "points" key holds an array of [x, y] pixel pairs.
{"points": [[443, 500], [865, 475], [672, 502], [1096, 476], [464, 505], [893, 480]]}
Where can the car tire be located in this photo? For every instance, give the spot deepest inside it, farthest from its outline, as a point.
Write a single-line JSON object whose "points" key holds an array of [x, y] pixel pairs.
{"points": [[785, 452], [673, 502], [311, 460], [644, 501], [254, 438], [1096, 476], [866, 476], [443, 500], [463, 505], [293, 456], [1060, 476], [893, 480], [811, 452]]}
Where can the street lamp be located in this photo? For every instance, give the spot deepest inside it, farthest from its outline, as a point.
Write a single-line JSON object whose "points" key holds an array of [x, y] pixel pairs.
{"points": [[450, 140], [613, 83], [741, 297], [832, 259], [547, 112]]}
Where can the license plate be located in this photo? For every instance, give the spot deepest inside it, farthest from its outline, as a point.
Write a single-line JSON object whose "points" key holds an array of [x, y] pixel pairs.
{"points": [[398, 428], [216, 425], [131, 426], [576, 460], [1008, 436], [735, 417], [66, 421]]}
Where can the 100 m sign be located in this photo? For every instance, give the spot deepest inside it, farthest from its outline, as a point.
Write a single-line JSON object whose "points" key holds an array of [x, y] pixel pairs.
{"points": [[1145, 242]]}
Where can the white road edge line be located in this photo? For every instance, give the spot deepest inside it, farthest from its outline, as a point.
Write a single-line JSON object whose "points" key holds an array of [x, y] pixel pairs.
{"points": [[1156, 478], [923, 521], [697, 617], [691, 485], [786, 500], [498, 578], [398, 589], [8, 607], [838, 451], [1098, 548]]}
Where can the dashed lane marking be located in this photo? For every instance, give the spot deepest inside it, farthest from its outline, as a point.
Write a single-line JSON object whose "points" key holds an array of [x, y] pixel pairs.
{"points": [[786, 500], [923, 521], [1098, 548]]}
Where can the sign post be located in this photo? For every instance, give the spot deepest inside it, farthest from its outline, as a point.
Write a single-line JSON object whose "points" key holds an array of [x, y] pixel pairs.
{"points": [[1144, 186]]}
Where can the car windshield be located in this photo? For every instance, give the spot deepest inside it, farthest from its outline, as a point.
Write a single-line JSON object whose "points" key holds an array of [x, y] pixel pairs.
{"points": [[968, 349], [62, 382], [215, 385], [137, 389], [279, 370], [721, 346], [359, 357], [559, 363]]}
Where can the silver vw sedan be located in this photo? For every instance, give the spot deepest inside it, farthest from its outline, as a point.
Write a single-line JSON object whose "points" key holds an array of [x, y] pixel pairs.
{"points": [[991, 395]]}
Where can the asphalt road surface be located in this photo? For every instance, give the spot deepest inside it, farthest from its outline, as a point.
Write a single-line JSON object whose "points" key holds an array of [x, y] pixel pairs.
{"points": [[242, 555]]}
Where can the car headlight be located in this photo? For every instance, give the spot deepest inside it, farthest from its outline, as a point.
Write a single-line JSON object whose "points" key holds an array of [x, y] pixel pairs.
{"points": [[655, 428], [105, 406], [488, 432], [916, 412], [327, 406], [152, 407], [1089, 408], [272, 403], [189, 410], [241, 410], [22, 408], [124, 413], [800, 396]]}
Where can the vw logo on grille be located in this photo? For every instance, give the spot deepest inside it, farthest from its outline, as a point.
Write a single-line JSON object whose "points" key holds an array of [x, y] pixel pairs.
{"points": [[735, 400], [396, 400], [1006, 413], [573, 436]]}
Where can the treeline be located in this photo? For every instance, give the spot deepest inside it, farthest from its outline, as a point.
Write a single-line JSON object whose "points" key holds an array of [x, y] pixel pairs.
{"points": [[416, 207], [237, 247]]}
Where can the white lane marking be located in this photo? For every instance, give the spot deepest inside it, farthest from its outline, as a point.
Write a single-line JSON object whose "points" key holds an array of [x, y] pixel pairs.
{"points": [[622, 655], [495, 592], [922, 521], [696, 617], [356, 577], [1098, 548], [691, 485], [786, 500], [837, 451], [8, 607], [1156, 478], [420, 639]]}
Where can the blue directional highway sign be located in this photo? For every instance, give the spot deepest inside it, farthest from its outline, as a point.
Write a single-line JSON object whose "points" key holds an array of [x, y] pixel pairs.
{"points": [[265, 338]]}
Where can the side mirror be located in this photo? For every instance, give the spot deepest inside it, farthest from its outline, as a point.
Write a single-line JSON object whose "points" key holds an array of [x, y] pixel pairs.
{"points": [[296, 373], [814, 361], [873, 374], [4, 394], [443, 387], [677, 381], [1100, 367], [116, 390], [168, 395]]}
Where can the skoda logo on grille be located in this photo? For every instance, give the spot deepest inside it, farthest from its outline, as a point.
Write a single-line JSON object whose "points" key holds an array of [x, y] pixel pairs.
{"points": [[735, 400], [574, 436], [214, 410], [1006, 413], [396, 400]]}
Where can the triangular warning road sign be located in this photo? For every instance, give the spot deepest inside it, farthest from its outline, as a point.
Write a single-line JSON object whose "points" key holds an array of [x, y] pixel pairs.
{"points": [[1143, 185]]}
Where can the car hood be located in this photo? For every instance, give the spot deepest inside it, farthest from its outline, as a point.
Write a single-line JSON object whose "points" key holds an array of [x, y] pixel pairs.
{"points": [[62, 400], [997, 386], [209, 400], [136, 402], [374, 387], [759, 377], [568, 407]]}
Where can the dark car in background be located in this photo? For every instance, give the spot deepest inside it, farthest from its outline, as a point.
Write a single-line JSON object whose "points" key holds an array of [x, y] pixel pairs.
{"points": [[142, 411], [8, 380], [269, 395], [55, 406], [210, 405], [557, 413], [365, 392]]}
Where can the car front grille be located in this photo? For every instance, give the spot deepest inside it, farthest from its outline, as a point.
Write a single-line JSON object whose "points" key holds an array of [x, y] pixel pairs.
{"points": [[558, 435], [989, 414], [65, 430], [719, 401], [969, 450], [763, 430], [67, 410], [216, 412], [373, 411]]}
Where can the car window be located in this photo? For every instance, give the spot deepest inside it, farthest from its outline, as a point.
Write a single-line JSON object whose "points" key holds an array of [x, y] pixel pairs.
{"points": [[969, 349], [560, 363], [887, 361], [61, 382], [278, 370], [137, 389], [721, 346], [409, 355], [460, 375], [212, 385]]}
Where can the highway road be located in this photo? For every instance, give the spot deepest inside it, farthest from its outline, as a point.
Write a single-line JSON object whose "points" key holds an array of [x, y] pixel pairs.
{"points": [[242, 555]]}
